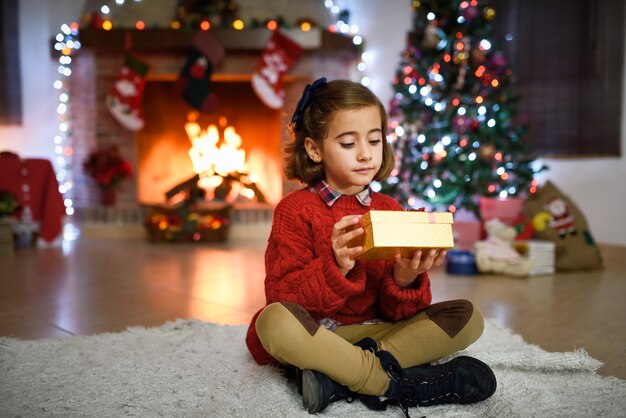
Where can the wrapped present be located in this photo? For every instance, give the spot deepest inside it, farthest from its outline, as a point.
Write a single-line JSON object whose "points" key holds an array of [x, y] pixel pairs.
{"points": [[541, 255], [466, 234], [389, 232], [461, 262]]}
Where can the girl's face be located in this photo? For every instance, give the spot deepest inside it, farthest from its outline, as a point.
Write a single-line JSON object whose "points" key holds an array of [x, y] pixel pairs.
{"points": [[352, 151]]}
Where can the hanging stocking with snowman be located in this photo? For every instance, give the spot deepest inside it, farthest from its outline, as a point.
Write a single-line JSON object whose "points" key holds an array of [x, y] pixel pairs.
{"points": [[124, 99]]}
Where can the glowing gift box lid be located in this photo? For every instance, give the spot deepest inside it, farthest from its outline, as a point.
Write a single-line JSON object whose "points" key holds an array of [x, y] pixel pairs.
{"points": [[388, 232]]}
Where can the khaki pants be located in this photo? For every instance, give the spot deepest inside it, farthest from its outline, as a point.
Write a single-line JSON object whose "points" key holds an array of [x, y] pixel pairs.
{"points": [[291, 336]]}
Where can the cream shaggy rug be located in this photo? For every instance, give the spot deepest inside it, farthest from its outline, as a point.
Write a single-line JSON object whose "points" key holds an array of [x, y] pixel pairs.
{"points": [[190, 368]]}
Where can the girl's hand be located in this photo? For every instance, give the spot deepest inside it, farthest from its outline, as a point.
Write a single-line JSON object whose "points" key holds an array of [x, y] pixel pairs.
{"points": [[342, 234], [405, 271]]}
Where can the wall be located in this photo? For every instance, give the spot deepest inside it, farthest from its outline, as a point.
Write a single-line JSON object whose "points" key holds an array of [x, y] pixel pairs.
{"points": [[34, 137], [595, 184]]}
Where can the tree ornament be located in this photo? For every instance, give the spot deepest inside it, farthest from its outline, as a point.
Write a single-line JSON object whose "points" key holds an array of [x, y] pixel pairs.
{"points": [[498, 63], [416, 126], [470, 13], [461, 123], [487, 151], [489, 13], [433, 37], [477, 57]]}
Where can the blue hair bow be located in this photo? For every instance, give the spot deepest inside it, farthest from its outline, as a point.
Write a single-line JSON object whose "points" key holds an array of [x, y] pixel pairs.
{"points": [[306, 98]]}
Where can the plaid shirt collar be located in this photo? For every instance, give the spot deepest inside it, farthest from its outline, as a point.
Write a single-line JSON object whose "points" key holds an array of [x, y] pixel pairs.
{"points": [[330, 196]]}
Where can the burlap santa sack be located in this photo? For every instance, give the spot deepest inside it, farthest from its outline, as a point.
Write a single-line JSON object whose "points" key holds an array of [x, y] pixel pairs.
{"points": [[556, 218]]}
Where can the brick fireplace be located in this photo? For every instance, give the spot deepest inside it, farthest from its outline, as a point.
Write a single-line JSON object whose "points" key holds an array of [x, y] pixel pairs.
{"points": [[158, 152]]}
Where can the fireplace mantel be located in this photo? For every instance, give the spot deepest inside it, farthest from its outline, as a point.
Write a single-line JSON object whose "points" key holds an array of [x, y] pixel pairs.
{"points": [[179, 41], [165, 50]]}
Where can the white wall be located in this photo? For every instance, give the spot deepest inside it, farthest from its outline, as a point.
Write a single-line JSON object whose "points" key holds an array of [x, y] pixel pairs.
{"points": [[384, 26], [597, 185], [38, 22]]}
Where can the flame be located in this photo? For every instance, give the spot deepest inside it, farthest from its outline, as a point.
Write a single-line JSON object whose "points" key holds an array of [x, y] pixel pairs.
{"points": [[213, 162]]}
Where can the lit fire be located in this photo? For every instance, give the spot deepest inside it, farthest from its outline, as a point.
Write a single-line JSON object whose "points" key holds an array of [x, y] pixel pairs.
{"points": [[217, 162]]}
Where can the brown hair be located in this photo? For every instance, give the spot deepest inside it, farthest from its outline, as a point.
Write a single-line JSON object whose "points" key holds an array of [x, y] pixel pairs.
{"points": [[325, 101]]}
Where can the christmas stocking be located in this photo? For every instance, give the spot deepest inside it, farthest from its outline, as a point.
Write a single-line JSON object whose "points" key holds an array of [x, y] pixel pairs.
{"points": [[267, 78], [194, 81], [124, 99]]}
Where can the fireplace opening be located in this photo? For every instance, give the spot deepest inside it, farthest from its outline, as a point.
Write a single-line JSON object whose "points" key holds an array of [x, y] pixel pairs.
{"points": [[163, 145]]}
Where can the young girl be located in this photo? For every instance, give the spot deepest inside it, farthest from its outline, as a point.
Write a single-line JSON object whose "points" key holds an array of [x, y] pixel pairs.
{"points": [[355, 329]]}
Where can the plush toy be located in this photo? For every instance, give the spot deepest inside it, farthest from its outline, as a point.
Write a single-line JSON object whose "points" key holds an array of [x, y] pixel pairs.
{"points": [[497, 254]]}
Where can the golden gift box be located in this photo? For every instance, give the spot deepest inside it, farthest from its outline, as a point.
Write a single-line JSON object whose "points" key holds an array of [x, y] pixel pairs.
{"points": [[388, 232]]}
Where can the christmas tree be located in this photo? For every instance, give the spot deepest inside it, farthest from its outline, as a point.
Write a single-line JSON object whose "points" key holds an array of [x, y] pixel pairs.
{"points": [[451, 117]]}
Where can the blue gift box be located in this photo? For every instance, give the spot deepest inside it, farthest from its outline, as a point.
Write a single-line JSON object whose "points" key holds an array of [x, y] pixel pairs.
{"points": [[461, 263]]}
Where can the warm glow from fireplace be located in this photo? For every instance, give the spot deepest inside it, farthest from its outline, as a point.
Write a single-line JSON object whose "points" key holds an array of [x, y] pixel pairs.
{"points": [[214, 161], [163, 146], [207, 157]]}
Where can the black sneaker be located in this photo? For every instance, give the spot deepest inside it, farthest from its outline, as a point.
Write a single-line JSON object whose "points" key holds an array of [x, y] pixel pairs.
{"points": [[318, 390], [462, 380]]}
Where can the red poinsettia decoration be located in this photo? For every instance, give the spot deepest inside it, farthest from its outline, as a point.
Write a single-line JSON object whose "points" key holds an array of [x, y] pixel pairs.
{"points": [[107, 167]]}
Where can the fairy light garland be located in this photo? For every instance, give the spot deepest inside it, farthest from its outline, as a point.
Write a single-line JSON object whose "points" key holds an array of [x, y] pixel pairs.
{"points": [[67, 44], [352, 30]]}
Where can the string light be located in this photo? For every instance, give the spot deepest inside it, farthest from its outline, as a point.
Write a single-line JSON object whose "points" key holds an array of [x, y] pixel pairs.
{"points": [[67, 44], [345, 28]]}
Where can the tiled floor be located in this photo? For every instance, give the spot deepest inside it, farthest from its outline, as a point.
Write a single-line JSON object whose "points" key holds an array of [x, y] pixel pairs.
{"points": [[94, 285]]}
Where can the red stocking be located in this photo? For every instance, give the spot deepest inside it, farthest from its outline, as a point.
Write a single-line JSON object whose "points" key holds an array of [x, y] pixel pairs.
{"points": [[267, 79], [124, 99]]}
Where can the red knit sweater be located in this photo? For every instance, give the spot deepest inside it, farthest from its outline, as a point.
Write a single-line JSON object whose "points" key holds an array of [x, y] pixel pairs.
{"points": [[300, 267]]}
